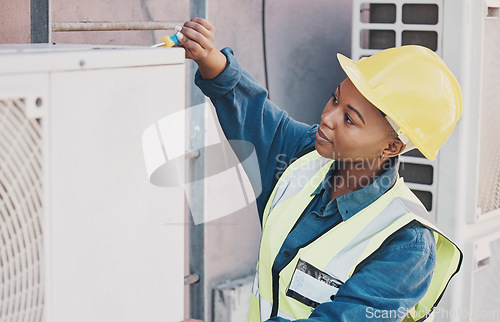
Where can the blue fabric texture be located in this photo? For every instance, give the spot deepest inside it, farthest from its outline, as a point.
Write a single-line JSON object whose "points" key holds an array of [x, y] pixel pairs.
{"points": [[396, 277]]}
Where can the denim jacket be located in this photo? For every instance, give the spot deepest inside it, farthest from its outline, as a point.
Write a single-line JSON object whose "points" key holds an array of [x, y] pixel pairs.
{"points": [[397, 276]]}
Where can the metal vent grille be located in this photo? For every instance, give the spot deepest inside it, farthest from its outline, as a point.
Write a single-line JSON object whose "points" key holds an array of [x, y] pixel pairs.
{"points": [[381, 24], [21, 247], [489, 158], [485, 303]]}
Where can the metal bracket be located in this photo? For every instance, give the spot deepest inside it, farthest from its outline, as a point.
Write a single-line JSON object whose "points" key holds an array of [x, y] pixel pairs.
{"points": [[191, 279]]}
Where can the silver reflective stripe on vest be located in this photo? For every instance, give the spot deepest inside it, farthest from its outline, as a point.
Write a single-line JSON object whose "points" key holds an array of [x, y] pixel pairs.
{"points": [[255, 286], [348, 257], [418, 209], [292, 184], [265, 306]]}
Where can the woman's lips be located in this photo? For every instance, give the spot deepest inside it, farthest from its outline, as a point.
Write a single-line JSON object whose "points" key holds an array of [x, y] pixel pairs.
{"points": [[321, 137]]}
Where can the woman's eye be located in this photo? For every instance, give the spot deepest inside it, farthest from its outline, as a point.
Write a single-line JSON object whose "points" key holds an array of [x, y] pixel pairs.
{"points": [[348, 119], [335, 99]]}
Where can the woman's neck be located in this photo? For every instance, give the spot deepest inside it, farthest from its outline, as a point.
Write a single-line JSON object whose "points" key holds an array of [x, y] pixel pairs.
{"points": [[352, 176]]}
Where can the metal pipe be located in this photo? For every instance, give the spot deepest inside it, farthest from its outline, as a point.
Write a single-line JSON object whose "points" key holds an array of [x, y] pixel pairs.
{"points": [[199, 293], [114, 26]]}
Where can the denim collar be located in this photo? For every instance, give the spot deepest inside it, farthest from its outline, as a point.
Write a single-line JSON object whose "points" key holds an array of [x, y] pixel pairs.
{"points": [[351, 203]]}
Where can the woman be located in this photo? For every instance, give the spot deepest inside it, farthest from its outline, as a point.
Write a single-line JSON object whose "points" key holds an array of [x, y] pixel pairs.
{"points": [[344, 239]]}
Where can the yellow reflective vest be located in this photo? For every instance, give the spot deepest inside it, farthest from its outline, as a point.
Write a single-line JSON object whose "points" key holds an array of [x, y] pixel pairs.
{"points": [[320, 268]]}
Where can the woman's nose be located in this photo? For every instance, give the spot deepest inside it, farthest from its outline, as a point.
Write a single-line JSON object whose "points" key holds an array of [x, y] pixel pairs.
{"points": [[329, 118]]}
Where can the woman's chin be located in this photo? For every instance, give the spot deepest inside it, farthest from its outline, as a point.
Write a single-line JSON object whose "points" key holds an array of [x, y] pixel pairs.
{"points": [[324, 151]]}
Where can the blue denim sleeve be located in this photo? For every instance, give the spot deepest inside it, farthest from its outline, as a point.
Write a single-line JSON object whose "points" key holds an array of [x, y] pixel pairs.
{"points": [[389, 285], [245, 113]]}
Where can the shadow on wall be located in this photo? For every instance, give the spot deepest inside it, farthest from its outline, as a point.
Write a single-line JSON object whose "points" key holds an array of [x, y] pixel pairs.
{"points": [[302, 38]]}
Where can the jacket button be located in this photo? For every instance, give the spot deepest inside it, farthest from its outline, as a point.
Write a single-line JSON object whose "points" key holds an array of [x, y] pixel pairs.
{"points": [[286, 253], [332, 297], [317, 217]]}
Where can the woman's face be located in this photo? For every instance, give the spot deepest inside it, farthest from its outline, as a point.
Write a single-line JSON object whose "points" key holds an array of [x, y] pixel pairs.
{"points": [[352, 128]]}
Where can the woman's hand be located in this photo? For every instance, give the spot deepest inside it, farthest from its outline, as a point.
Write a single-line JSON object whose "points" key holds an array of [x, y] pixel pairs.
{"points": [[200, 35], [197, 37]]}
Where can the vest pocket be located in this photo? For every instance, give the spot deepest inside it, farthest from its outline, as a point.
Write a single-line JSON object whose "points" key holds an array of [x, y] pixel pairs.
{"points": [[311, 286]]}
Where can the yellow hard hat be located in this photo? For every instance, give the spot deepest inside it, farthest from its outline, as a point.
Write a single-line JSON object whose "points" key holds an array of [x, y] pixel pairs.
{"points": [[415, 89]]}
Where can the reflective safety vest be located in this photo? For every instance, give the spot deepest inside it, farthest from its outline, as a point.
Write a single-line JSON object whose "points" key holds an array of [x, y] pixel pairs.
{"points": [[319, 268]]}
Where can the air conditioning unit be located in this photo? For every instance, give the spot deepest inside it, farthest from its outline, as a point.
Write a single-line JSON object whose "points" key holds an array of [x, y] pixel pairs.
{"points": [[461, 189], [84, 236]]}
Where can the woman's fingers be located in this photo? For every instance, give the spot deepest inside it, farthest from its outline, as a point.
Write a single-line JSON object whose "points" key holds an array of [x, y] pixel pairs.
{"points": [[193, 49], [205, 23], [204, 27], [199, 28], [197, 37], [198, 33]]}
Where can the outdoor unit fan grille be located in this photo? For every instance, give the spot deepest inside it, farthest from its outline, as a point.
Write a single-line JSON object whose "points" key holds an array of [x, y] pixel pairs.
{"points": [[489, 165], [21, 242]]}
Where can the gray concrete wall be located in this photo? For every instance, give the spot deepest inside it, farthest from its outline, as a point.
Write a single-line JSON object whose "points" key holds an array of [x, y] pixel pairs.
{"points": [[303, 38], [14, 21]]}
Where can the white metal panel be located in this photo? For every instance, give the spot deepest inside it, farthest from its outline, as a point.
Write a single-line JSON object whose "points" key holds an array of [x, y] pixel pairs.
{"points": [[485, 302], [470, 50], [110, 235], [16, 59], [112, 243]]}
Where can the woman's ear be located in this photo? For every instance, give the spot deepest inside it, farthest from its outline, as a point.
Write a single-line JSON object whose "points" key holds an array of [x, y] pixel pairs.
{"points": [[394, 148]]}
